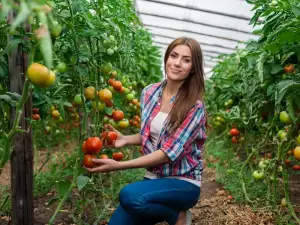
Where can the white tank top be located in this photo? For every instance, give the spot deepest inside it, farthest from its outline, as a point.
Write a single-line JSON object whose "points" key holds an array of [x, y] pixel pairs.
{"points": [[155, 129], [156, 126]]}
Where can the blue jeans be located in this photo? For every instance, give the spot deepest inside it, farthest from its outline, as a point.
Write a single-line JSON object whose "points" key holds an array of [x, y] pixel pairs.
{"points": [[148, 202]]}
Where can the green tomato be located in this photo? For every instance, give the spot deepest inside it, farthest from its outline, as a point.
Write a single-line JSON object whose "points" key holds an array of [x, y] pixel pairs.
{"points": [[106, 119], [101, 105], [61, 67], [106, 68], [48, 129], [129, 97], [110, 51], [126, 91], [258, 175], [56, 30], [226, 104], [229, 171], [262, 164], [285, 118], [274, 3], [230, 102], [77, 99], [281, 134]]}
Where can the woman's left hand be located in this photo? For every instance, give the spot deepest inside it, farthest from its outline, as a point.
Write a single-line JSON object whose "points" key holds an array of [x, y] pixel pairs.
{"points": [[104, 165]]}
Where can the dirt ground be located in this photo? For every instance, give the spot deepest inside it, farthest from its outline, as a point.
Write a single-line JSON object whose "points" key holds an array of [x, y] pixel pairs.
{"points": [[215, 206]]}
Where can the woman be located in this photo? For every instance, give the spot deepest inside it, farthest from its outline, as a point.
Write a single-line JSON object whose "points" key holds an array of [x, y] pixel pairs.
{"points": [[172, 137]]}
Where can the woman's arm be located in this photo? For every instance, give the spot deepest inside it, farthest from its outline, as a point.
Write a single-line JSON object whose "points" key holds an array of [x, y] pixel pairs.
{"points": [[107, 165], [153, 159], [135, 139]]}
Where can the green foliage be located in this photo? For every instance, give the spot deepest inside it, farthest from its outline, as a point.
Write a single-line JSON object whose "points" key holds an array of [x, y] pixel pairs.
{"points": [[260, 81]]}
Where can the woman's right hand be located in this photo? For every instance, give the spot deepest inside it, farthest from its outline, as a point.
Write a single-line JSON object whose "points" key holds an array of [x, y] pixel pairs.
{"points": [[121, 140]]}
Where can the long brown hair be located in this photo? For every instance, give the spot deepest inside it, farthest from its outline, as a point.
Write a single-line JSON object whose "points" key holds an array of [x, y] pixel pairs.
{"points": [[193, 87]]}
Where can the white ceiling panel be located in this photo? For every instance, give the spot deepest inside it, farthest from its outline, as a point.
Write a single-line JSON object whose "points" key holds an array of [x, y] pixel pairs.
{"points": [[220, 26]]}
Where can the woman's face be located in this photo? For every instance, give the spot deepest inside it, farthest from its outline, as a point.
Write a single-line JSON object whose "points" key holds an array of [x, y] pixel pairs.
{"points": [[179, 63]]}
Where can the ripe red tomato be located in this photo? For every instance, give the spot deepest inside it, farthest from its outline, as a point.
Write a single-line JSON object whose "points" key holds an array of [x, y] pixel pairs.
{"points": [[234, 132], [109, 136], [287, 161], [118, 156], [35, 117], [111, 81], [117, 85], [112, 136], [296, 167], [35, 111], [118, 115], [87, 161], [109, 103], [104, 156], [289, 69], [104, 134], [234, 140], [93, 145], [83, 148]]}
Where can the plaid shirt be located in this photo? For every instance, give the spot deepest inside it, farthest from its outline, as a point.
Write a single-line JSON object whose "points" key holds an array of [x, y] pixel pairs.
{"points": [[184, 146]]}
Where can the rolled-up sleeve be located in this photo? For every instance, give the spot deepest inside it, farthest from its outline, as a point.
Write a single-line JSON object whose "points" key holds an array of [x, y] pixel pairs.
{"points": [[191, 128]]}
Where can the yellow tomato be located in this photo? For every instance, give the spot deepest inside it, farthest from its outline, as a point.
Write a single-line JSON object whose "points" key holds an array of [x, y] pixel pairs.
{"points": [[297, 153], [55, 114], [89, 93], [105, 95], [38, 74], [50, 80]]}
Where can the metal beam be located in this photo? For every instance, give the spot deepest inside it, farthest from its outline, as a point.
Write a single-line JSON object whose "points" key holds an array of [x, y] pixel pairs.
{"points": [[195, 23], [165, 44], [200, 10], [205, 53], [201, 43], [193, 32]]}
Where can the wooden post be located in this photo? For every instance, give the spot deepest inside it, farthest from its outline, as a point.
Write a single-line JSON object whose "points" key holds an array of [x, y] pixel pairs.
{"points": [[22, 153]]}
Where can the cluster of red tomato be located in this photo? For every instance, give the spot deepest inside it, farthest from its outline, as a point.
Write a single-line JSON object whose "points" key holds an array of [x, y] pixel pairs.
{"points": [[93, 146], [35, 114], [234, 132]]}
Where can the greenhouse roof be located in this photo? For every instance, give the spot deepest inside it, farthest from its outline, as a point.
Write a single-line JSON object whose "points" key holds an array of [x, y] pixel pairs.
{"points": [[220, 26]]}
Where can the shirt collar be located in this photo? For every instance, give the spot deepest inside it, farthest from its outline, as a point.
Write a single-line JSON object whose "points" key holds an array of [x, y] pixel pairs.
{"points": [[162, 86]]}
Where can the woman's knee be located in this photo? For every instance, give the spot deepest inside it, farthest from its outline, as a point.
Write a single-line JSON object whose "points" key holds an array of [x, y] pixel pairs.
{"points": [[131, 199]]}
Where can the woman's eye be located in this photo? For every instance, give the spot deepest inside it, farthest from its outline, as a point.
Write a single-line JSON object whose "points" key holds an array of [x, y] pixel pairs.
{"points": [[173, 56], [187, 60]]}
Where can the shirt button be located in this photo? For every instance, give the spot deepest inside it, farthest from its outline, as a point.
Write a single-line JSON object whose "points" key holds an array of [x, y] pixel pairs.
{"points": [[158, 103], [146, 133]]}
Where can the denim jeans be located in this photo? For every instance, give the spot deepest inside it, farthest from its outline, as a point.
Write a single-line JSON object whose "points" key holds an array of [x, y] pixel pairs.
{"points": [[148, 202]]}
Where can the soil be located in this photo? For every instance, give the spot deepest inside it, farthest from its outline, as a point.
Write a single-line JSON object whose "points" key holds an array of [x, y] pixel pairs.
{"points": [[215, 206]]}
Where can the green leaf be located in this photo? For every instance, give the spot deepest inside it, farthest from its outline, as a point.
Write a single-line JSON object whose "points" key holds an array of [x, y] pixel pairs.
{"points": [[296, 10], [14, 95], [270, 89], [283, 87], [260, 65], [108, 110], [82, 181], [6, 6], [290, 109], [276, 68], [68, 104], [45, 42], [8, 99], [22, 15], [286, 57], [63, 187]]}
